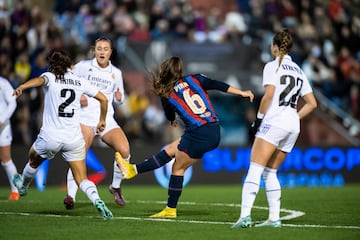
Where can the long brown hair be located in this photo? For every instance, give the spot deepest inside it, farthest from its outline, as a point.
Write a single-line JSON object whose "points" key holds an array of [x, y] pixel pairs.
{"points": [[59, 62], [167, 74], [284, 41]]}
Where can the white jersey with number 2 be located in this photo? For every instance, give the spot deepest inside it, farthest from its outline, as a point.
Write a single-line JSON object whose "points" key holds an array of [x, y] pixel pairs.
{"points": [[290, 83], [62, 104], [107, 80]]}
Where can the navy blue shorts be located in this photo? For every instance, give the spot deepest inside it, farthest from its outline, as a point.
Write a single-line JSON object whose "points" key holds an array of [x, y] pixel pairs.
{"points": [[200, 140]]}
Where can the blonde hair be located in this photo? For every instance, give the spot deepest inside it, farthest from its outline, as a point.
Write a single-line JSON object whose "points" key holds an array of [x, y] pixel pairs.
{"points": [[284, 41]]}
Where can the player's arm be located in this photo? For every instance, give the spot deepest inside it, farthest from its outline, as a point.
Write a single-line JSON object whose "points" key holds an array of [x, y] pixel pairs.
{"points": [[246, 93], [119, 95], [169, 111], [266, 99], [309, 106], [103, 110], [209, 84], [34, 82], [11, 103], [264, 105]]}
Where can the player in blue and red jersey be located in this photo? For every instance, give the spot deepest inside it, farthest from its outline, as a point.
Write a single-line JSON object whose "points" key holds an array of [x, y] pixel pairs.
{"points": [[186, 97]]}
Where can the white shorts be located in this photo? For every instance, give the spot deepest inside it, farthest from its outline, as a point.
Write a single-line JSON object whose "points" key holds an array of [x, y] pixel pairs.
{"points": [[48, 146], [282, 139], [110, 124], [5, 135]]}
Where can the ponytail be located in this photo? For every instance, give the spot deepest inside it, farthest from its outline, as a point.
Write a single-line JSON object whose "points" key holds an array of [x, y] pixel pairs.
{"points": [[284, 41]]}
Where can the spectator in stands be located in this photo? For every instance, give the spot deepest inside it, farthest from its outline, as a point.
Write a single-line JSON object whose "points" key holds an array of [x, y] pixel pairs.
{"points": [[337, 25]]}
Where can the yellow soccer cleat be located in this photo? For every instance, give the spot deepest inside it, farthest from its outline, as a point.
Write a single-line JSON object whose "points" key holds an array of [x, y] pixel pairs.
{"points": [[166, 213], [128, 171]]}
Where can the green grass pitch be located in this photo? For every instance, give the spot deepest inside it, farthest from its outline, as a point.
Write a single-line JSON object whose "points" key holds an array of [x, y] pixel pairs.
{"points": [[204, 212]]}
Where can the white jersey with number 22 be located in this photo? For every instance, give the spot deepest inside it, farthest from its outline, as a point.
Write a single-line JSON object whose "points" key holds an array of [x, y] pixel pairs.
{"points": [[290, 83]]}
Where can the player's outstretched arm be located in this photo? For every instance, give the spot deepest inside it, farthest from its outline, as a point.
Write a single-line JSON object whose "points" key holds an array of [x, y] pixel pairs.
{"points": [[246, 93], [34, 82]]}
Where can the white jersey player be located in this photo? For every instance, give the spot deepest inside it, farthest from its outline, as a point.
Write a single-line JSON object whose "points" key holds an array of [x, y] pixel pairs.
{"points": [[290, 83], [62, 106], [107, 78], [278, 126], [7, 106], [61, 131]]}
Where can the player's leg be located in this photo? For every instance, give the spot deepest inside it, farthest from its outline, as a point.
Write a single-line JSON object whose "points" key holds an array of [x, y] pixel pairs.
{"points": [[6, 161], [10, 170], [182, 162], [72, 187], [160, 159], [193, 145], [88, 187], [23, 181], [156, 161], [116, 139], [74, 154], [272, 184], [273, 189], [261, 152]]}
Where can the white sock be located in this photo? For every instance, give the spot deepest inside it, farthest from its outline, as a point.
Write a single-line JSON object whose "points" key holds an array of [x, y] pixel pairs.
{"points": [[273, 193], [72, 187], [116, 181], [250, 188], [89, 188], [28, 174], [10, 170]]}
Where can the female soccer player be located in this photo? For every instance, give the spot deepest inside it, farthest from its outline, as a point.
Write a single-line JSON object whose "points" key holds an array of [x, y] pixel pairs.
{"points": [[61, 131], [107, 78], [187, 97], [7, 106], [278, 126]]}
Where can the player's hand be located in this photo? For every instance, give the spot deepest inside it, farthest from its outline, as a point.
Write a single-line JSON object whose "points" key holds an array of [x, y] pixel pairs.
{"points": [[17, 92], [174, 123], [100, 127], [83, 101], [249, 94], [255, 126], [118, 95]]}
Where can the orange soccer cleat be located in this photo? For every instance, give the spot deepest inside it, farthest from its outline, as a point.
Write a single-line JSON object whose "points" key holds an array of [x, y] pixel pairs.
{"points": [[14, 196]]}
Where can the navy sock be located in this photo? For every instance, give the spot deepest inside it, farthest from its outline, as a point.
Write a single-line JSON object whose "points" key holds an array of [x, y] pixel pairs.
{"points": [[174, 190], [156, 161]]}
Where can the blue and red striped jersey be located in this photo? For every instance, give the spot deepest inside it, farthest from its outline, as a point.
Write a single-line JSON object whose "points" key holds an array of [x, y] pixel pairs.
{"points": [[191, 102]]}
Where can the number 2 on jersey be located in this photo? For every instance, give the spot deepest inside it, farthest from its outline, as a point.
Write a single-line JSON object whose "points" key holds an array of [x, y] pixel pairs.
{"points": [[292, 83], [67, 102]]}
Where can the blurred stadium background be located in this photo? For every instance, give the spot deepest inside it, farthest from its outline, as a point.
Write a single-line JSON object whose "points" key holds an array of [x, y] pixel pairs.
{"points": [[227, 40]]}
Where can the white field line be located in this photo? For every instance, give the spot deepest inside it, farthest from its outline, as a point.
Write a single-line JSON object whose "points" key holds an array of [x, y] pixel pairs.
{"points": [[292, 214]]}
